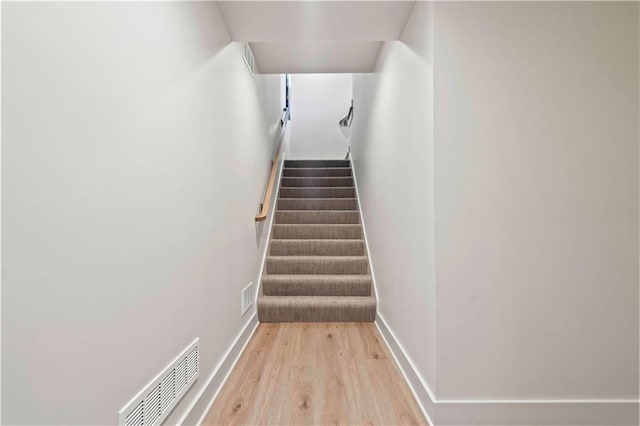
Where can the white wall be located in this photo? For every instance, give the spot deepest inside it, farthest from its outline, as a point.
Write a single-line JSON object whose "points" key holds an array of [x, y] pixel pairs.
{"points": [[392, 151], [135, 148], [318, 102], [527, 184], [536, 182]]}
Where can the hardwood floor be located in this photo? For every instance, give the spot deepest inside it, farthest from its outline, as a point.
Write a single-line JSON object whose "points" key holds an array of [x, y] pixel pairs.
{"points": [[315, 373]]}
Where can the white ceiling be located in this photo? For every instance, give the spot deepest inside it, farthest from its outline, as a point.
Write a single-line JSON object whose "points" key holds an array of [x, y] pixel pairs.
{"points": [[349, 56], [315, 36]]}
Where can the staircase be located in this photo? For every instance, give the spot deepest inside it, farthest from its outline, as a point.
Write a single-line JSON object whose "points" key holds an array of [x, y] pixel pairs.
{"points": [[317, 269]]}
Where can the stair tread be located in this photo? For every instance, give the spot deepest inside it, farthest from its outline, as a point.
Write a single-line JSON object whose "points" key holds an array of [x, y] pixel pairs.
{"points": [[317, 247], [316, 285], [317, 217], [318, 299], [317, 182], [316, 308], [318, 172], [316, 211], [317, 177], [323, 258], [323, 204], [336, 192], [318, 277], [323, 240], [316, 168], [323, 265], [317, 199], [316, 231], [316, 224], [311, 164]]}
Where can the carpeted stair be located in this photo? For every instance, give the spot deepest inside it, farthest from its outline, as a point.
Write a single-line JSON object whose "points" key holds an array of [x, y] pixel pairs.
{"points": [[317, 268]]}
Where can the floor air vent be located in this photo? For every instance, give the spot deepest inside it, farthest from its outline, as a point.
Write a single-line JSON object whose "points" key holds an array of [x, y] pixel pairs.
{"points": [[154, 403], [247, 297]]}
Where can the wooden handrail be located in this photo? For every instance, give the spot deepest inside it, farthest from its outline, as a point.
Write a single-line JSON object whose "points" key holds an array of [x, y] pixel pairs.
{"points": [[274, 169]]}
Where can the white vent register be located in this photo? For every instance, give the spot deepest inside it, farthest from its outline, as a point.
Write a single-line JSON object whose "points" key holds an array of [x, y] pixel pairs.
{"points": [[247, 297], [154, 403], [249, 60]]}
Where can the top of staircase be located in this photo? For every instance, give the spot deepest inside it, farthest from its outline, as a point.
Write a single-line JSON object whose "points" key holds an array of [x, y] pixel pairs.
{"points": [[316, 163]]}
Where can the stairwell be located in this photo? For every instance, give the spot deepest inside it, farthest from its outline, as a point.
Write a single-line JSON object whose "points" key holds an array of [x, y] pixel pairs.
{"points": [[317, 268]]}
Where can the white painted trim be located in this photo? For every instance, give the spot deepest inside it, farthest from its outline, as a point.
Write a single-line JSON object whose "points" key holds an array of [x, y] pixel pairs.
{"points": [[417, 384], [594, 412], [364, 229], [1, 225], [219, 375], [388, 333], [505, 411], [538, 401]]}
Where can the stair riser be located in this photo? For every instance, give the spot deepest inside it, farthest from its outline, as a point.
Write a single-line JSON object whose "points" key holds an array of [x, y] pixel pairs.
{"points": [[293, 232], [316, 163], [317, 193], [316, 265], [328, 172], [313, 313], [274, 287], [296, 182], [326, 204], [316, 248], [318, 217]]}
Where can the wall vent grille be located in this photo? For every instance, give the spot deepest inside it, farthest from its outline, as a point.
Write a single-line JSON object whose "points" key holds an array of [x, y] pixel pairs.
{"points": [[154, 403], [249, 60], [247, 297]]}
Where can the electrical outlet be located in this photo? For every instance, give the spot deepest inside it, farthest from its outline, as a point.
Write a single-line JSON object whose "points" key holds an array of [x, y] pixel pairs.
{"points": [[247, 297]]}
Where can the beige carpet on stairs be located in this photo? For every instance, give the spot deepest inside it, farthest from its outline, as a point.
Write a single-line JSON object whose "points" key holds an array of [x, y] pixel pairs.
{"points": [[317, 269]]}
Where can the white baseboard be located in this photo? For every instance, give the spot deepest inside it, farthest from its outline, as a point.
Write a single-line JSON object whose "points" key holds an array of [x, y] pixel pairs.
{"points": [[610, 412], [417, 384], [201, 405], [364, 230], [560, 413]]}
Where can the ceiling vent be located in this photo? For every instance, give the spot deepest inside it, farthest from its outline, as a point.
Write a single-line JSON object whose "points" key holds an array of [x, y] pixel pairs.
{"points": [[154, 403], [249, 60]]}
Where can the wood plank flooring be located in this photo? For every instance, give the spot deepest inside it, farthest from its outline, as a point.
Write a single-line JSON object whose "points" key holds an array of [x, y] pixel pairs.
{"points": [[315, 374]]}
